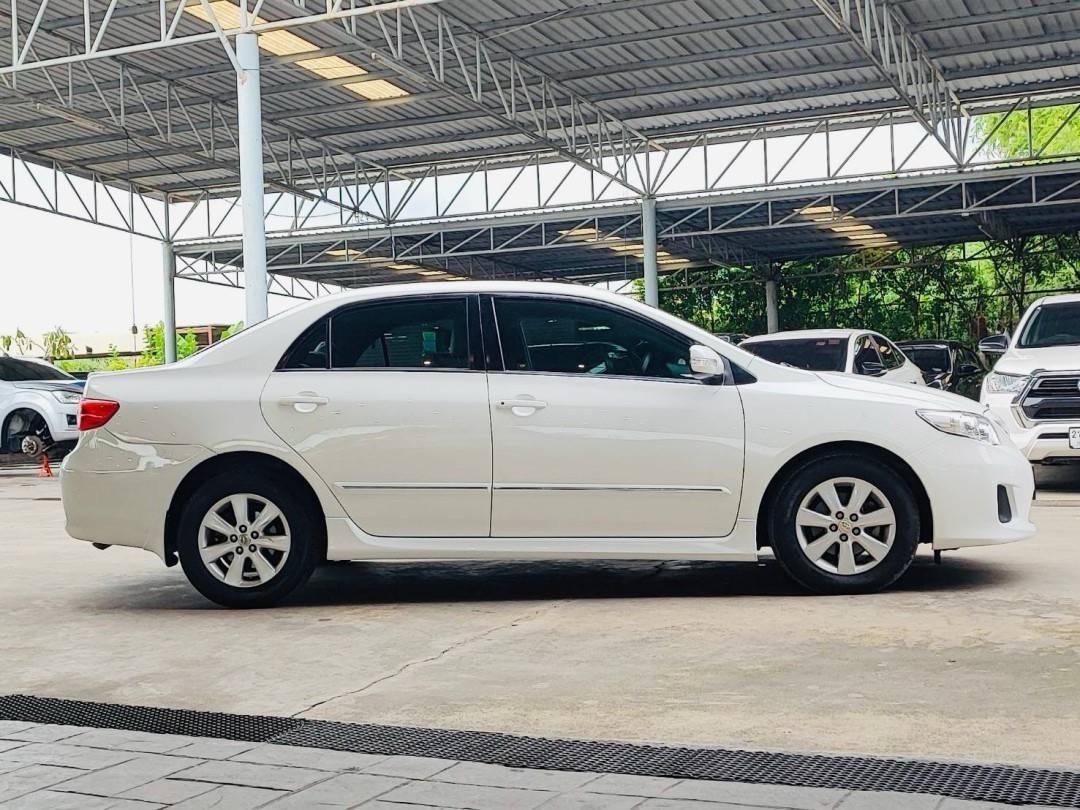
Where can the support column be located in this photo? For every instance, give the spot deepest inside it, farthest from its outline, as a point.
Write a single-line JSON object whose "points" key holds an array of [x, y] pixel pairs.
{"points": [[648, 240], [168, 332], [249, 110], [772, 306]]}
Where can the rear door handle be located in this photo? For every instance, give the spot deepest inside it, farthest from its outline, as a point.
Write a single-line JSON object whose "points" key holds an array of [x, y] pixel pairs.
{"points": [[521, 407], [304, 402]]}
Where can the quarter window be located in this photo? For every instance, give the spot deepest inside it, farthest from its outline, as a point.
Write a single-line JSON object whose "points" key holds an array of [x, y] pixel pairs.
{"points": [[890, 355], [426, 333], [569, 337], [865, 352]]}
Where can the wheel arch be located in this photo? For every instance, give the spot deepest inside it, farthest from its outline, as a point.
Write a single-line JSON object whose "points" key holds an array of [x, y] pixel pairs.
{"points": [[5, 423], [886, 457], [233, 462]]}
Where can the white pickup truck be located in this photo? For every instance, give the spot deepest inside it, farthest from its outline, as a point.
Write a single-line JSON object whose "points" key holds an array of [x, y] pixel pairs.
{"points": [[1034, 388]]}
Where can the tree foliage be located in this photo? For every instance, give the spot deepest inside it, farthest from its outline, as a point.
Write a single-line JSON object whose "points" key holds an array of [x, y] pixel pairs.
{"points": [[154, 345]]}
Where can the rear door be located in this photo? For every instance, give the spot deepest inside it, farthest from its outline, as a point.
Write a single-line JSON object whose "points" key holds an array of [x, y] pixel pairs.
{"points": [[387, 401], [599, 431]]}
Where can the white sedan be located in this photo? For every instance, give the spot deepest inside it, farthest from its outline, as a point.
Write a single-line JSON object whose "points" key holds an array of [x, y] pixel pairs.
{"points": [[521, 421], [849, 351]]}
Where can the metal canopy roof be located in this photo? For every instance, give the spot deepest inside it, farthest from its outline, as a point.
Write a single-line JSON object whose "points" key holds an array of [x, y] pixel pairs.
{"points": [[660, 67], [142, 94]]}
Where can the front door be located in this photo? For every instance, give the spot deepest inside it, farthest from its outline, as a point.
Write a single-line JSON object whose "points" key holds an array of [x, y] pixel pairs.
{"points": [[387, 401], [599, 431]]}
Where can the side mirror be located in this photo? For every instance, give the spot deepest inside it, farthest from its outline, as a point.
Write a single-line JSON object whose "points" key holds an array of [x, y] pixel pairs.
{"points": [[706, 365], [872, 369], [967, 370], [995, 344]]}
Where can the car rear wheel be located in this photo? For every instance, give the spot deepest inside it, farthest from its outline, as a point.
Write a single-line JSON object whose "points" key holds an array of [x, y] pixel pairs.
{"points": [[844, 524], [247, 541]]}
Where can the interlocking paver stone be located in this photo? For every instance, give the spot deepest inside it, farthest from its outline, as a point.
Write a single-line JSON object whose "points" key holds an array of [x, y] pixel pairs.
{"points": [[168, 791], [70, 756], [342, 791], [205, 748], [129, 740], [250, 774], [784, 796], [319, 759], [44, 734], [32, 777], [591, 801], [410, 767], [473, 797], [479, 773], [230, 797], [630, 785], [127, 775], [867, 800], [52, 800]]}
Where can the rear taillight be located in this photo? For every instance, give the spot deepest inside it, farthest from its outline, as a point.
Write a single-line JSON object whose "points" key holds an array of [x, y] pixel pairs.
{"points": [[93, 413]]}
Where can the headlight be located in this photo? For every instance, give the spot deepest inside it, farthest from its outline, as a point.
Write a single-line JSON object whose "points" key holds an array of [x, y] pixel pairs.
{"points": [[67, 397], [960, 423], [1005, 383]]}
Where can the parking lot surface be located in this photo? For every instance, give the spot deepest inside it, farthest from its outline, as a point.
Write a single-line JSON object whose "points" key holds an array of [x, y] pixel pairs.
{"points": [[977, 659]]}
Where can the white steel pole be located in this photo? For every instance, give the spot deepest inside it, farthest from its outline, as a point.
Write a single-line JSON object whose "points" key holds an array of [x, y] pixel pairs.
{"points": [[168, 332], [772, 306], [249, 109], [648, 240]]}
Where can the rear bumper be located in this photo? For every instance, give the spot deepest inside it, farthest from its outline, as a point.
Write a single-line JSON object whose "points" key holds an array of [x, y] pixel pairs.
{"points": [[962, 479], [117, 493]]}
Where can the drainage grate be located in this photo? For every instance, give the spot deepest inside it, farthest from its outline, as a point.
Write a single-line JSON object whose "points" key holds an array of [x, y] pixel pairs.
{"points": [[989, 783]]}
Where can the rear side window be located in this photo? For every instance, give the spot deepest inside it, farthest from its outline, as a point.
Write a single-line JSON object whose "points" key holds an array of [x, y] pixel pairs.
{"points": [[813, 354], [428, 333], [311, 351]]}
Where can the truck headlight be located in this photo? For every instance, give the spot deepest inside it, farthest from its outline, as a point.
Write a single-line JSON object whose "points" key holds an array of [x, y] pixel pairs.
{"points": [[67, 397], [961, 423], [1005, 383]]}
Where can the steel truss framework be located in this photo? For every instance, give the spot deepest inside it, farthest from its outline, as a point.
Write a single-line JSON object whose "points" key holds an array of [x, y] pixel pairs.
{"points": [[333, 216]]}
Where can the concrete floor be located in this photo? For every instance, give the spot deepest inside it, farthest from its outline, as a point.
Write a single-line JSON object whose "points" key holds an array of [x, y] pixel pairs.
{"points": [[977, 659]]}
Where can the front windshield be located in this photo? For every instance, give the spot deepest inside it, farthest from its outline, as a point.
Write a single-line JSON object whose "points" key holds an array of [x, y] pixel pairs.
{"points": [[1052, 325], [928, 358], [14, 369], [812, 354]]}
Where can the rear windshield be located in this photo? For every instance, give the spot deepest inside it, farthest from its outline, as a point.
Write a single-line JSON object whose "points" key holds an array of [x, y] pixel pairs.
{"points": [[12, 369], [813, 354], [928, 358], [1052, 325]]}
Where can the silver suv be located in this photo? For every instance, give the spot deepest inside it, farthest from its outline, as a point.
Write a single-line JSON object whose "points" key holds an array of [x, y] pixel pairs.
{"points": [[38, 405]]}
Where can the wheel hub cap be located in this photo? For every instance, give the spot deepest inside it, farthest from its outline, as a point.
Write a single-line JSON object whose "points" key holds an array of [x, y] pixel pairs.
{"points": [[845, 526], [244, 540]]}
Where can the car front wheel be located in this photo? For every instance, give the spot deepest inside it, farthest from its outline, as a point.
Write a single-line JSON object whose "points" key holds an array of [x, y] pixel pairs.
{"points": [[844, 524], [245, 540]]}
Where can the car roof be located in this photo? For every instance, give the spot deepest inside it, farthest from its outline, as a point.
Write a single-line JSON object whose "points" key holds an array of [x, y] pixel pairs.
{"points": [[806, 334], [937, 344]]}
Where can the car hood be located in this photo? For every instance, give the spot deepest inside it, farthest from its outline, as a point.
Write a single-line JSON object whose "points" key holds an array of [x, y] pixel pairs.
{"points": [[1047, 358], [75, 386], [917, 395]]}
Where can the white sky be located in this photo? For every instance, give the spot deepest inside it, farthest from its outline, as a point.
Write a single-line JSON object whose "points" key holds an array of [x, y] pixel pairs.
{"points": [[58, 271]]}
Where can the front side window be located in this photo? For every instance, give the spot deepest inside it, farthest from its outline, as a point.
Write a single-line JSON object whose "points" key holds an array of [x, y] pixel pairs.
{"points": [[1052, 325], [891, 357], [418, 334], [812, 354], [865, 353], [570, 337]]}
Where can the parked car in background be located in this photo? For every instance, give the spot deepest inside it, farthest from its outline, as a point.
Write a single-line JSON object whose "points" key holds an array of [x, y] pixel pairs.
{"points": [[502, 420], [734, 338], [37, 401], [1034, 387], [848, 351], [946, 364]]}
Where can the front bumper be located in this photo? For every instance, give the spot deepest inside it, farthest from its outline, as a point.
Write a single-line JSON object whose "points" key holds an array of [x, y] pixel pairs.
{"points": [[961, 477], [1040, 442], [117, 493]]}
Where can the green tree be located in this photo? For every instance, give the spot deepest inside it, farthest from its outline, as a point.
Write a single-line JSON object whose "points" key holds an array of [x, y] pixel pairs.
{"points": [[154, 344], [1052, 131], [57, 344]]}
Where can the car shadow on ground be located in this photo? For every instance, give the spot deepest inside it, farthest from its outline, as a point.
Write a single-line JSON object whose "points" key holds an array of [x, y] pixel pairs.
{"points": [[1057, 477], [363, 583]]}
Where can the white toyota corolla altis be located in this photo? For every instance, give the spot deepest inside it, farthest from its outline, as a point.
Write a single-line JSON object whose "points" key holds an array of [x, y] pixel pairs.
{"points": [[523, 421]]}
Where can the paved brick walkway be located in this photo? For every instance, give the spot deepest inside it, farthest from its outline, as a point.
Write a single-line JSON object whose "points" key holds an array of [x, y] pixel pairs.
{"points": [[49, 767]]}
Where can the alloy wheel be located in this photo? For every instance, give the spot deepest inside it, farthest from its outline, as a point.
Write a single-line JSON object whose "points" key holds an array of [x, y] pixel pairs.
{"points": [[845, 526], [244, 540]]}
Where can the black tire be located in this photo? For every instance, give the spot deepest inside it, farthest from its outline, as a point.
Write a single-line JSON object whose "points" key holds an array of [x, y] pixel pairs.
{"points": [[304, 554], [782, 532]]}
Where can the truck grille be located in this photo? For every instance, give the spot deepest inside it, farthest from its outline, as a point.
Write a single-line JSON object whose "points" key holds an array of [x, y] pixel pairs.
{"points": [[1054, 398]]}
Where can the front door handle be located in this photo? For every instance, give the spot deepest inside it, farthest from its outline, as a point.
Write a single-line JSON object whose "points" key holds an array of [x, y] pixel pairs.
{"points": [[521, 406], [304, 402]]}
